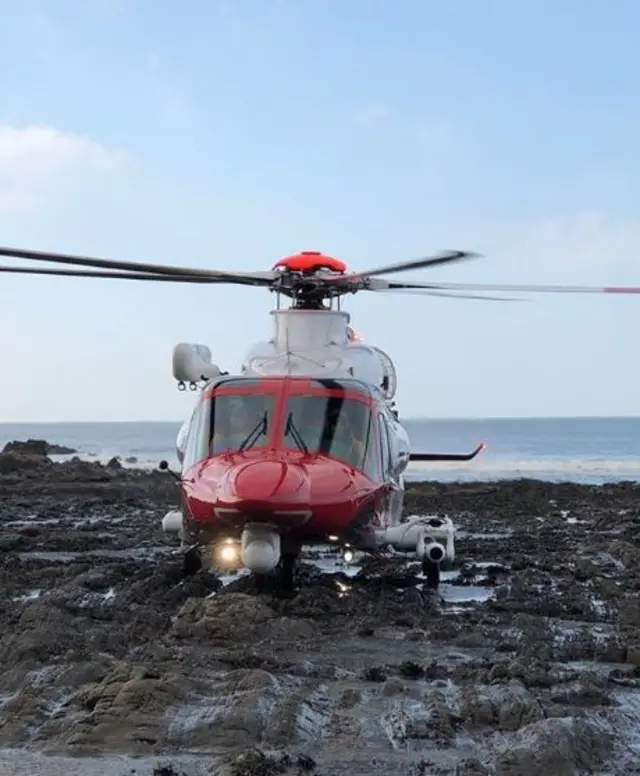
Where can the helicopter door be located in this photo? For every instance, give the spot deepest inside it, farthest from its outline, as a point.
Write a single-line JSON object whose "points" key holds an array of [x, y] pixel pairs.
{"points": [[394, 491]]}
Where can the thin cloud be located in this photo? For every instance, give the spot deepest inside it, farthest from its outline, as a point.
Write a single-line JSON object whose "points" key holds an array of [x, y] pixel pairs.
{"points": [[35, 161]]}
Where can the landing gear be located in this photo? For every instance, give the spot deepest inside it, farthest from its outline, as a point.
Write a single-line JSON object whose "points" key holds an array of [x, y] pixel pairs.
{"points": [[286, 571], [280, 581], [431, 573], [191, 562]]}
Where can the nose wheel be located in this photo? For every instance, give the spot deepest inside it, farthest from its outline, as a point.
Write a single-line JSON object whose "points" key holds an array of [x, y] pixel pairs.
{"points": [[191, 562], [282, 580]]}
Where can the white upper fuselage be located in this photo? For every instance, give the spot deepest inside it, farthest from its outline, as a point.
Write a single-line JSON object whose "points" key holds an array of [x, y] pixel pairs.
{"points": [[315, 343]]}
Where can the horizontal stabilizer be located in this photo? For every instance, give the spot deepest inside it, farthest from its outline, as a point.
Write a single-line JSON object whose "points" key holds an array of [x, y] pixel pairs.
{"points": [[448, 456]]}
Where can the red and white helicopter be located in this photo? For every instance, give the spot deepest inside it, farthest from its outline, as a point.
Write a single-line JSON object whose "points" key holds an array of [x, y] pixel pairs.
{"points": [[303, 446]]}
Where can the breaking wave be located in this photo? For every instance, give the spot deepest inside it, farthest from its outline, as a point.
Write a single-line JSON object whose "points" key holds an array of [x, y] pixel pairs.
{"points": [[595, 471]]}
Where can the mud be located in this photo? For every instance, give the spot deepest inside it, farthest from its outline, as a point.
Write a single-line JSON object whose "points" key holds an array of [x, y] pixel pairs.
{"points": [[525, 662]]}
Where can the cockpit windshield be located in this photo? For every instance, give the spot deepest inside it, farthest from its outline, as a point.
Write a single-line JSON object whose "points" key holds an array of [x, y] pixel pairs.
{"points": [[240, 422], [331, 425]]}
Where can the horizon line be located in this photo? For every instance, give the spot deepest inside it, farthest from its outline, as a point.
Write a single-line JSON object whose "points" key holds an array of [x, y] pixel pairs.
{"points": [[403, 419]]}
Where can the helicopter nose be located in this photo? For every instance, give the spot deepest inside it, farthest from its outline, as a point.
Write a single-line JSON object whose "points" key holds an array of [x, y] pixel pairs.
{"points": [[259, 485]]}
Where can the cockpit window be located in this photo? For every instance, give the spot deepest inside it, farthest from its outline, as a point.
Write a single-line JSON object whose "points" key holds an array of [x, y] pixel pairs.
{"points": [[240, 422], [328, 424]]}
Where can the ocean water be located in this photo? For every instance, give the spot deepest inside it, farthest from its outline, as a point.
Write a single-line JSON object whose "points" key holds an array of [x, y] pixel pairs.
{"points": [[593, 450]]}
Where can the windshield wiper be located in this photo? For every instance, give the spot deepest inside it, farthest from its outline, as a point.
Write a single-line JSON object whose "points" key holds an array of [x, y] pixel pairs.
{"points": [[256, 432], [290, 428]]}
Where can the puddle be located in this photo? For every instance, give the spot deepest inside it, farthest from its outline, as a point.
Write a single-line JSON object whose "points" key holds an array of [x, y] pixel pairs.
{"points": [[51, 557], [60, 556], [467, 594], [32, 595], [29, 522], [495, 535], [21, 763]]}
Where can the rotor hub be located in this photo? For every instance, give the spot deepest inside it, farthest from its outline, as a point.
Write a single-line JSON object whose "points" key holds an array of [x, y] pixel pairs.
{"points": [[310, 262]]}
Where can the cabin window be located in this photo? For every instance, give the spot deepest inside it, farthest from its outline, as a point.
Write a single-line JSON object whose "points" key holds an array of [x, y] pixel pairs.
{"points": [[196, 446], [330, 425], [385, 446], [240, 422], [371, 465]]}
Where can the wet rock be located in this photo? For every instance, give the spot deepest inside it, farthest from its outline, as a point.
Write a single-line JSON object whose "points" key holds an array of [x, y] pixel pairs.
{"points": [[626, 553], [581, 692], [238, 618], [471, 767], [130, 688], [12, 541], [505, 707], [43, 633], [411, 670], [393, 687], [350, 698], [561, 746], [633, 654], [375, 674], [247, 706], [36, 447], [13, 463], [431, 720], [255, 762]]}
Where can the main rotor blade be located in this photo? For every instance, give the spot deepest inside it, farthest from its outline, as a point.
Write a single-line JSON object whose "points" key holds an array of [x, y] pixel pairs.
{"points": [[462, 296], [521, 288], [435, 292], [97, 274], [447, 257], [244, 278]]}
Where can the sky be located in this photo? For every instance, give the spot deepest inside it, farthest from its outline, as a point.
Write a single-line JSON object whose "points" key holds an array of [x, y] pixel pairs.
{"points": [[228, 134]]}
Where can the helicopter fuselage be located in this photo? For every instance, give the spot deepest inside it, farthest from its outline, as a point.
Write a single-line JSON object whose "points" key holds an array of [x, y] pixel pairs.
{"points": [[304, 446]]}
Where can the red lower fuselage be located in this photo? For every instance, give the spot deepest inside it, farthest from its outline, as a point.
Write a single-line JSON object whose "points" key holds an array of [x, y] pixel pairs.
{"points": [[306, 497], [306, 490]]}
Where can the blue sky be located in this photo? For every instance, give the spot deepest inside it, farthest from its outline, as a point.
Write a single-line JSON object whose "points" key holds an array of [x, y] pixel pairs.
{"points": [[227, 134]]}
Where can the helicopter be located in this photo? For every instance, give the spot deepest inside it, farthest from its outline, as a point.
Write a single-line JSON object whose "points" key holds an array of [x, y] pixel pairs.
{"points": [[303, 445]]}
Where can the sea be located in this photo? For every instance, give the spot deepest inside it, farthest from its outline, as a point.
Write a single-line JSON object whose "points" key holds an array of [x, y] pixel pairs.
{"points": [[587, 450]]}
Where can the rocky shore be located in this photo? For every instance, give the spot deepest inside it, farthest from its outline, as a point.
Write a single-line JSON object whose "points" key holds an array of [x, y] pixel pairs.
{"points": [[526, 662]]}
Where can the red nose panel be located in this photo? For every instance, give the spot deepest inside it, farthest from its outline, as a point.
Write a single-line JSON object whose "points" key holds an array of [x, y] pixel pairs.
{"points": [[314, 494], [269, 483]]}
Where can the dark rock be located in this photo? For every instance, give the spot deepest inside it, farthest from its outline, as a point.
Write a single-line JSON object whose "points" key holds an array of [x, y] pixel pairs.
{"points": [[36, 447]]}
